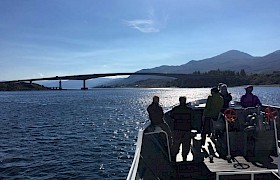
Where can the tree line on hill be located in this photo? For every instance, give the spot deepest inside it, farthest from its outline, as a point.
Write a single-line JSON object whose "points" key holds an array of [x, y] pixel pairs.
{"points": [[203, 79], [212, 78], [21, 86]]}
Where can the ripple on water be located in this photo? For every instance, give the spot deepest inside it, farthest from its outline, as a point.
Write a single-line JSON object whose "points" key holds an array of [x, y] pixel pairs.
{"points": [[82, 134]]}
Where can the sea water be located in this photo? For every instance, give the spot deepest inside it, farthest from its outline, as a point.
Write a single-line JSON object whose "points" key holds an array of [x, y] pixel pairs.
{"points": [[83, 134]]}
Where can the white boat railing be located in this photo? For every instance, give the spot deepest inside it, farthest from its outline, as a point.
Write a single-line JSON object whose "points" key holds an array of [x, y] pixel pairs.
{"points": [[251, 173], [167, 140], [134, 166]]}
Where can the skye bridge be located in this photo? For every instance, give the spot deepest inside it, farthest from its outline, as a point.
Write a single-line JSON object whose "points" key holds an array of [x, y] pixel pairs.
{"points": [[93, 76]]}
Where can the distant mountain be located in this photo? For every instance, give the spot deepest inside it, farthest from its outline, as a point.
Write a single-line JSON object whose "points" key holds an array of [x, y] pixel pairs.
{"points": [[231, 60]]}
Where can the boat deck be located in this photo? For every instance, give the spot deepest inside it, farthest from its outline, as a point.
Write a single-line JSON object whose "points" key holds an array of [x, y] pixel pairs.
{"points": [[238, 168], [242, 164], [154, 164], [249, 160], [194, 170]]}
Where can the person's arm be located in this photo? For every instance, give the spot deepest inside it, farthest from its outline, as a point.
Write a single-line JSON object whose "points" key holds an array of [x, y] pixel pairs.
{"points": [[161, 112], [242, 100], [149, 112], [192, 114], [230, 97], [207, 106], [257, 100]]}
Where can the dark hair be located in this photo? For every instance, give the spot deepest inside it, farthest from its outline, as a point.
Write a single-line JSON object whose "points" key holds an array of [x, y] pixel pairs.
{"points": [[155, 98], [215, 90], [182, 99]]}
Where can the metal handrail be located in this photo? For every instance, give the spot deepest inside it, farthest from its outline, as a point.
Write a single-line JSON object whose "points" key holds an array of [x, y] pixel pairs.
{"points": [[167, 140], [134, 166], [252, 173], [275, 174]]}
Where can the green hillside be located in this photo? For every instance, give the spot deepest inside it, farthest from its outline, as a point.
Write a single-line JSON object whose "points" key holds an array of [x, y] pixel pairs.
{"points": [[212, 78], [21, 86]]}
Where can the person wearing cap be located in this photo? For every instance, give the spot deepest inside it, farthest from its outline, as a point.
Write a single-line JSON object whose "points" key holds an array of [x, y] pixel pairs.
{"points": [[182, 117], [211, 112], [226, 96], [249, 99], [219, 86], [156, 117]]}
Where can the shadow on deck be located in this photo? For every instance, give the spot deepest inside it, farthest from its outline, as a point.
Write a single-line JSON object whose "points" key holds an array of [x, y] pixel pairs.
{"points": [[155, 164]]}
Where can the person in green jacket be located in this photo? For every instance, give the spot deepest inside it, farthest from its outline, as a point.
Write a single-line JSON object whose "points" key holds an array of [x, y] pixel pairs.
{"points": [[182, 117], [211, 112]]}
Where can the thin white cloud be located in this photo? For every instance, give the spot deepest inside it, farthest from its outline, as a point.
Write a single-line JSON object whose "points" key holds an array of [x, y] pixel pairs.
{"points": [[41, 75], [153, 23], [143, 25]]}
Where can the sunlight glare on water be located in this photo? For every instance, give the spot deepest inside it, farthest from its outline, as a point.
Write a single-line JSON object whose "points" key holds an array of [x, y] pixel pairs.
{"points": [[169, 97], [84, 134]]}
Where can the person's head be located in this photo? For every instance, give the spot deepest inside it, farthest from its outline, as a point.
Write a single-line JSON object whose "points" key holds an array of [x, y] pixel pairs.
{"points": [[249, 89], [219, 86], [223, 89], [182, 100], [214, 90], [156, 99]]}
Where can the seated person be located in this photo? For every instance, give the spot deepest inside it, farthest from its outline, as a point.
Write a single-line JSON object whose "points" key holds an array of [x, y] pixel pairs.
{"points": [[249, 99], [156, 116]]}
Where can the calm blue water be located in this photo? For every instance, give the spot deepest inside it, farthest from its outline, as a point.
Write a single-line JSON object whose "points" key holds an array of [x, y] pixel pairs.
{"points": [[83, 134]]}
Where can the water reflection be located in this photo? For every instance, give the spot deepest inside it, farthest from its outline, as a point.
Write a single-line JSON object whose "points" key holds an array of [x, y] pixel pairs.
{"points": [[90, 133]]}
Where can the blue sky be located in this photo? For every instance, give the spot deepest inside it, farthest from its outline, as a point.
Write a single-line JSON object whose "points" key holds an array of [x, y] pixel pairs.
{"points": [[68, 37]]}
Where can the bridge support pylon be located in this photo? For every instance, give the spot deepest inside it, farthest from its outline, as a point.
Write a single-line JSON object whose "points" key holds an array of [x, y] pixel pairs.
{"points": [[84, 85], [60, 85]]}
